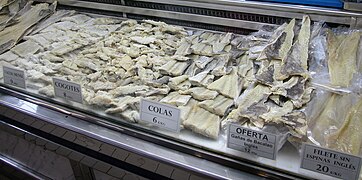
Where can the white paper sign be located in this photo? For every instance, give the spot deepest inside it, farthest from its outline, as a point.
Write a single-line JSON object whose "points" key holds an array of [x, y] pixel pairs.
{"points": [[330, 162], [67, 90], [14, 77], [162, 115], [251, 141]]}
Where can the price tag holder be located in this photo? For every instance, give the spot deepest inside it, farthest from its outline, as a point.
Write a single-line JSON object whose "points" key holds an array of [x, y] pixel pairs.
{"points": [[330, 162], [251, 141], [14, 77], [67, 90], [162, 115]]}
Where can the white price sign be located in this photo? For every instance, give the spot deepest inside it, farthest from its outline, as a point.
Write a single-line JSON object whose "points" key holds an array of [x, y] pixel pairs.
{"points": [[162, 115], [330, 162], [67, 90], [14, 77], [251, 141]]}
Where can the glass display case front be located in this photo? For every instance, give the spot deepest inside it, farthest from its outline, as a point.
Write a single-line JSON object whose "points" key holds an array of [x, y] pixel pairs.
{"points": [[245, 96]]}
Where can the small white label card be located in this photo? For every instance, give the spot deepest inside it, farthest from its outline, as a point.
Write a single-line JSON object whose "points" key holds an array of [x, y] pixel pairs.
{"points": [[67, 90], [162, 115], [14, 77], [250, 141], [330, 162]]}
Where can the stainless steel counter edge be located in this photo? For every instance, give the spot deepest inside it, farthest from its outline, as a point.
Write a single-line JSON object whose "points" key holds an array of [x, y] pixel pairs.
{"points": [[126, 142]]}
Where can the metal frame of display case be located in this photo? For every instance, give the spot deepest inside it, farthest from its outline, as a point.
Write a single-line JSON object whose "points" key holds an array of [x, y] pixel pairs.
{"points": [[218, 15]]}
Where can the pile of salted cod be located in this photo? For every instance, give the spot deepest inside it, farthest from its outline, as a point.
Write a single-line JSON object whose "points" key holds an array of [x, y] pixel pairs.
{"points": [[214, 78]]}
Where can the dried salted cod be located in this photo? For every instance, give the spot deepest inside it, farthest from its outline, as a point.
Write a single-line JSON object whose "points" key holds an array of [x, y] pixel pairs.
{"points": [[179, 83], [130, 115], [203, 122], [128, 89], [348, 138], [265, 74], [122, 104], [296, 123], [219, 69], [227, 85], [176, 99], [101, 98], [218, 106], [26, 48], [200, 93], [296, 63], [275, 113], [294, 88], [252, 96], [342, 52], [8, 56], [57, 16], [12, 34], [99, 85], [280, 47], [185, 110], [184, 48], [332, 112], [47, 90], [174, 68], [202, 61], [202, 79]]}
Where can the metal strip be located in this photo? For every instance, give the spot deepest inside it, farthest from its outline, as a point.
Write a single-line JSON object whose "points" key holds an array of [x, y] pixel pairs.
{"points": [[271, 9], [22, 168], [167, 14]]}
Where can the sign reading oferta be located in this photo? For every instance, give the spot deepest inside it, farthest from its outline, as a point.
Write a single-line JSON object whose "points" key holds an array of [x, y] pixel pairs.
{"points": [[67, 90], [14, 77], [330, 162], [162, 115], [251, 141]]}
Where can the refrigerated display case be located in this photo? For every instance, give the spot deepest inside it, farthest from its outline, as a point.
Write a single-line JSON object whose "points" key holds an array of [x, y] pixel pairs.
{"points": [[246, 86]]}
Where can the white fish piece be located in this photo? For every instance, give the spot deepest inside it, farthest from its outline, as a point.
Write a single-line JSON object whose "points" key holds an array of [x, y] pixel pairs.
{"points": [[174, 98], [203, 122], [47, 90], [78, 19], [227, 85], [184, 48], [220, 67], [131, 115], [26, 48], [202, 61], [70, 64], [218, 106], [128, 89], [143, 40], [202, 79], [86, 63], [10, 35], [276, 113], [122, 104], [180, 58], [252, 96], [342, 62], [8, 56], [197, 48], [52, 58], [99, 85], [191, 70], [101, 98], [59, 14], [95, 76], [200, 93], [41, 40], [37, 76], [185, 110], [177, 80], [164, 90], [174, 68]]}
